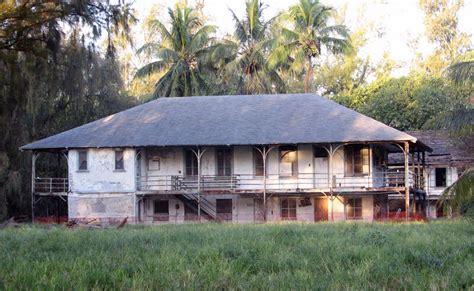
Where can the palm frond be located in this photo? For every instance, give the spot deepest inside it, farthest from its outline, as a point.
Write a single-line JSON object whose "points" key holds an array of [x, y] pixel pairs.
{"points": [[151, 68], [462, 73]]}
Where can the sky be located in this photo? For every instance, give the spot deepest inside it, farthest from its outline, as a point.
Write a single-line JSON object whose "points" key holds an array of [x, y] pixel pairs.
{"points": [[398, 23]]}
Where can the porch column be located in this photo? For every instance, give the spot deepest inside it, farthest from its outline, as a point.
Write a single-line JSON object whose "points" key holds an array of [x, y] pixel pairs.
{"points": [[34, 156], [264, 151], [414, 180], [406, 151], [199, 153]]}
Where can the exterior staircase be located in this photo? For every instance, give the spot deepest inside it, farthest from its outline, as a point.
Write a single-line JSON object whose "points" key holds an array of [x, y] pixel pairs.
{"points": [[208, 210]]}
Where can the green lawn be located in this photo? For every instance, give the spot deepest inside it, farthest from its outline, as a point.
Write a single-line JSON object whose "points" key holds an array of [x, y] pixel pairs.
{"points": [[217, 256]]}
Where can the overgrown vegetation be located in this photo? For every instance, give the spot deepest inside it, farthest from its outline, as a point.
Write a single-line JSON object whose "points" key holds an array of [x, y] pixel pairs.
{"points": [[214, 256]]}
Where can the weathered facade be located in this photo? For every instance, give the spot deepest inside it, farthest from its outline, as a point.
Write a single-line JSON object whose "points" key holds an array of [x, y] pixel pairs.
{"points": [[443, 165], [234, 158]]}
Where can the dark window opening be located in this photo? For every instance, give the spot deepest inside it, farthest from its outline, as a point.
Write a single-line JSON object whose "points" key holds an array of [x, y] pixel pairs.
{"points": [[191, 163], [224, 161], [83, 160], [119, 160], [161, 210], [224, 209], [440, 176], [320, 152], [258, 163], [288, 161], [288, 209], [354, 208], [356, 159]]}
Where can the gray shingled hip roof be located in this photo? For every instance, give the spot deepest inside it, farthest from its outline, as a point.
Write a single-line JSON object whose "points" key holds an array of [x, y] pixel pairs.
{"points": [[226, 120]]}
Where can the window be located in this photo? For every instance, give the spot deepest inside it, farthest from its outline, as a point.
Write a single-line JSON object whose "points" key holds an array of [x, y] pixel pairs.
{"points": [[440, 177], [191, 163], [161, 210], [257, 163], [224, 161], [354, 208], [82, 160], [288, 161], [356, 160], [288, 209], [224, 209], [320, 152], [119, 160]]}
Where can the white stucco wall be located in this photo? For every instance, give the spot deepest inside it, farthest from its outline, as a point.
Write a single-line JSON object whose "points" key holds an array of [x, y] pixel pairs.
{"points": [[101, 176], [105, 208]]}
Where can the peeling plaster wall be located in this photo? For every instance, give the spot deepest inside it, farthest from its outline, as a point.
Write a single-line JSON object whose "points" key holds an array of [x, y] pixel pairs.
{"points": [[107, 208], [101, 176]]}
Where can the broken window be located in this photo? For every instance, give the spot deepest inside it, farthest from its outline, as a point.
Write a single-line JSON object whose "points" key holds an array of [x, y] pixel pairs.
{"points": [[356, 159], [288, 161], [119, 160], [191, 163], [354, 208], [82, 160], [440, 177], [224, 161], [257, 162], [288, 209]]}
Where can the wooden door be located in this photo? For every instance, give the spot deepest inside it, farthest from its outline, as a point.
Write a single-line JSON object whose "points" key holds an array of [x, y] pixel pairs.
{"points": [[224, 209], [258, 210], [320, 209]]}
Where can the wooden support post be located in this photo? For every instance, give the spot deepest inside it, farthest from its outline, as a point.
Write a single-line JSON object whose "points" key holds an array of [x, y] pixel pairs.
{"points": [[414, 180], [264, 151], [406, 151], [33, 176]]}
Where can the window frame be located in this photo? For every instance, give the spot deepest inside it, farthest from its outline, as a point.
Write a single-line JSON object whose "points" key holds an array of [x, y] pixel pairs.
{"points": [[288, 208], [350, 155], [194, 163], [122, 169], [256, 158], [354, 207], [445, 181], [79, 152], [231, 161], [294, 165]]}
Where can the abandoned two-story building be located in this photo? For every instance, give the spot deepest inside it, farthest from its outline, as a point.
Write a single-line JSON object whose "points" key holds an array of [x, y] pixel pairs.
{"points": [[233, 158]]}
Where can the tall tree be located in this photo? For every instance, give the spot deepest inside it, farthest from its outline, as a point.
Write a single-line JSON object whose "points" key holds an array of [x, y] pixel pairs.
{"points": [[441, 28], [309, 32], [184, 52], [50, 82], [250, 48]]}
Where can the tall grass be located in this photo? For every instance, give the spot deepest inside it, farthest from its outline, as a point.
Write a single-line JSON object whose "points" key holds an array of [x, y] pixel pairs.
{"points": [[211, 256]]}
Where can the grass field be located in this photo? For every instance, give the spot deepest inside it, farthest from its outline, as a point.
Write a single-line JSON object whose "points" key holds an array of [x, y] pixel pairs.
{"points": [[436, 255]]}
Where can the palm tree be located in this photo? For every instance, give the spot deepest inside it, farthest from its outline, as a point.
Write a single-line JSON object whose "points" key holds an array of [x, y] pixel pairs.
{"points": [[461, 72], [185, 54], [309, 33], [250, 47]]}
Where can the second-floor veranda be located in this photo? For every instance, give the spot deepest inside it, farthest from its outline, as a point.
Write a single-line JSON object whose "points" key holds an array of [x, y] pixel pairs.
{"points": [[303, 168]]}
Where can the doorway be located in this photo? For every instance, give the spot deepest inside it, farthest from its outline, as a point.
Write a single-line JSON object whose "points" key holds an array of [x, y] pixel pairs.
{"points": [[320, 209]]}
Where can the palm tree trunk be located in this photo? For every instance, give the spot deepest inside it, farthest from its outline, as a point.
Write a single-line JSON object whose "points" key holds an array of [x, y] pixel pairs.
{"points": [[308, 80]]}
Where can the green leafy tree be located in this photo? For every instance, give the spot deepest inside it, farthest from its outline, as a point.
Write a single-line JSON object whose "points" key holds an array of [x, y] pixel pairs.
{"points": [[51, 81], [185, 53], [309, 31], [441, 28]]}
